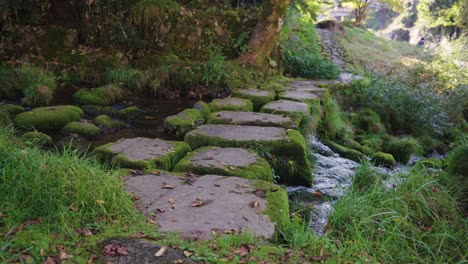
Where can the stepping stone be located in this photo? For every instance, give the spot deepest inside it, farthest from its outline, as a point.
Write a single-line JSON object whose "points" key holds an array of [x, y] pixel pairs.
{"points": [[285, 149], [144, 153], [231, 104], [251, 119], [300, 96], [306, 86], [226, 161], [178, 125], [256, 96], [295, 110], [201, 207]]}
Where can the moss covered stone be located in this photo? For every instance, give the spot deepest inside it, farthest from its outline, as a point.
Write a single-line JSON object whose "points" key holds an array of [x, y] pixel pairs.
{"points": [[258, 97], [383, 159], [203, 108], [38, 138], [178, 125], [300, 96], [104, 95], [284, 149], [81, 128], [277, 202], [297, 111], [48, 118], [251, 119], [226, 161], [402, 148], [368, 121], [345, 152], [457, 161], [130, 112], [144, 153], [106, 122], [96, 110], [11, 109], [231, 104]]}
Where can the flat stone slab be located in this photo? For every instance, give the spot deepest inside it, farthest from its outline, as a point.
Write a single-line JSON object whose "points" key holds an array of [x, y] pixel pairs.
{"points": [[226, 161], [201, 207], [286, 148], [231, 104], [251, 119], [292, 109], [299, 96], [306, 86], [257, 96], [144, 152]]}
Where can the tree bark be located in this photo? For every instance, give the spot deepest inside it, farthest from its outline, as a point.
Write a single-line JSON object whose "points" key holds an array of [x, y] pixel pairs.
{"points": [[266, 33]]}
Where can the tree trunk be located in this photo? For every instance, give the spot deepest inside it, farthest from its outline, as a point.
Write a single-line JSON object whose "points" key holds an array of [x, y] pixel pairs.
{"points": [[266, 33]]}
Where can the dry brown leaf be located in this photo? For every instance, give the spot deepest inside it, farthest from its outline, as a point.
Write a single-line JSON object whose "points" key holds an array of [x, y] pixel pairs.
{"points": [[188, 254], [171, 201], [179, 261], [200, 202], [63, 254], [151, 221], [87, 232], [161, 252], [115, 250], [139, 234], [42, 252], [216, 184], [74, 208], [166, 186], [319, 194], [254, 204], [91, 259], [50, 261]]}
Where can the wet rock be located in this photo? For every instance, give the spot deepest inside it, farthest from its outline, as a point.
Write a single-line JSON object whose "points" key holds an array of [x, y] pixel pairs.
{"points": [[141, 252], [210, 204], [256, 96], [144, 153], [178, 125], [226, 161], [88, 130], [292, 109], [48, 118], [203, 108], [37, 138], [130, 112], [96, 110], [287, 146], [300, 96], [251, 119], [231, 104]]}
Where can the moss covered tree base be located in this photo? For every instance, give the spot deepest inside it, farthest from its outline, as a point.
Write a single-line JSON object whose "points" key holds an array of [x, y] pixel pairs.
{"points": [[144, 153], [226, 161], [284, 149]]}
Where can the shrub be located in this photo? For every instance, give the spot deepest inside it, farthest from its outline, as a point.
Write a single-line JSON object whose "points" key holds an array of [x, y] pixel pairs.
{"points": [[457, 161], [104, 95], [127, 77], [368, 121], [402, 148], [333, 124]]}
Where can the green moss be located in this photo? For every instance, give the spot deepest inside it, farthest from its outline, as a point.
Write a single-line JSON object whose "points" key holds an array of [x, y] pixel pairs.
{"points": [[333, 124], [104, 95], [104, 121], [130, 112], [11, 109], [178, 125], [432, 163], [309, 101], [277, 202], [84, 129], [48, 118], [457, 161], [257, 100], [215, 118], [260, 170], [38, 85], [96, 110], [166, 162], [369, 121], [383, 159], [402, 148], [345, 152], [287, 156], [37, 138], [231, 104], [203, 108]]}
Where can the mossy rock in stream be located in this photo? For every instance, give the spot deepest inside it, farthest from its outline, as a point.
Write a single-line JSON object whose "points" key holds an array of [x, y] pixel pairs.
{"points": [[226, 161], [383, 159], [178, 125], [48, 118], [88, 130], [130, 112], [231, 104], [8, 112], [141, 153], [96, 110], [402, 148], [258, 97], [284, 149], [203, 108], [103, 96], [106, 122], [345, 152], [37, 138]]}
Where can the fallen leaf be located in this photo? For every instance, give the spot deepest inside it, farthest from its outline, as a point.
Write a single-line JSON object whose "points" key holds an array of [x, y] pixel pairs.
{"points": [[199, 202], [63, 254], [179, 261], [319, 194], [258, 210], [188, 254], [171, 201], [254, 204], [157, 173], [239, 186], [151, 221], [86, 232], [135, 197], [115, 250], [260, 193], [244, 250], [159, 211], [166, 186], [33, 222], [42, 252], [26, 258], [232, 168], [139, 234], [90, 259], [100, 201], [137, 172], [216, 184], [50, 261], [74, 208], [161, 252]]}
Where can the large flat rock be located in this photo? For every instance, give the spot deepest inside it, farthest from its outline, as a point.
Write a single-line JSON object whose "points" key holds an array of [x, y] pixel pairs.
{"points": [[286, 107], [306, 86], [231, 104], [202, 206], [226, 161], [256, 96], [285, 149], [144, 152], [251, 119], [300, 96]]}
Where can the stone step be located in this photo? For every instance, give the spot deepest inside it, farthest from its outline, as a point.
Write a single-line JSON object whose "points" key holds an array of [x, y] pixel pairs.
{"points": [[144, 153], [231, 104], [300, 96], [251, 119], [226, 161], [306, 86], [201, 207], [285, 149], [257, 96], [295, 110]]}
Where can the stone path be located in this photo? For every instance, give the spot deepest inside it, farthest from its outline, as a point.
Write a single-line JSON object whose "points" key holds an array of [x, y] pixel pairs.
{"points": [[332, 48]]}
